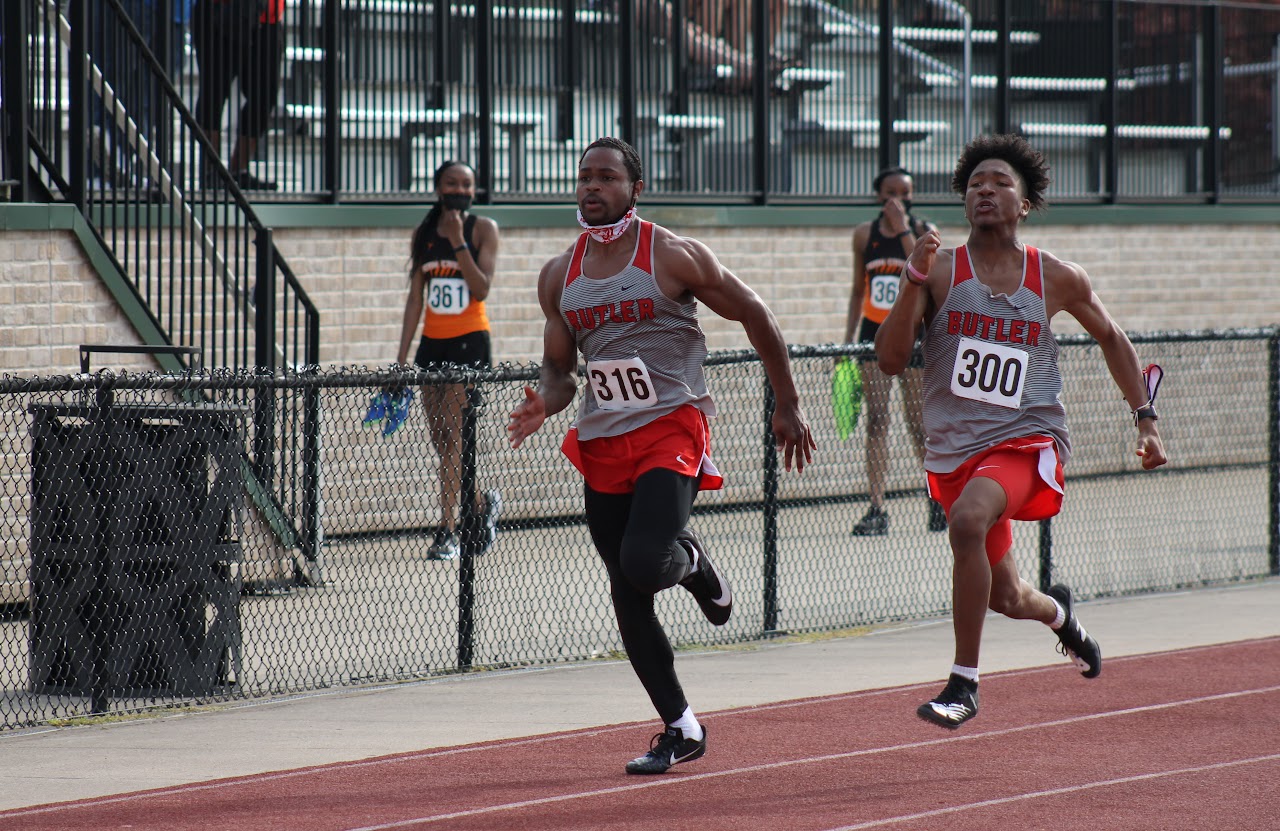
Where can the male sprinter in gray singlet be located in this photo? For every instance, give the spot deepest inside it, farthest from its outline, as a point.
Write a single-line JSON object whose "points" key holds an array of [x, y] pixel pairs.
{"points": [[996, 431], [625, 296]]}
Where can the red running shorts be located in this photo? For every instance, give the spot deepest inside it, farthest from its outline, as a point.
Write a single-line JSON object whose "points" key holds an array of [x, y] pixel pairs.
{"points": [[1030, 471], [679, 441]]}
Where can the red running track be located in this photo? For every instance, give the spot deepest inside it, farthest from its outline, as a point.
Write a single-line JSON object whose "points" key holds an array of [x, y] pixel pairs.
{"points": [[1176, 741]]}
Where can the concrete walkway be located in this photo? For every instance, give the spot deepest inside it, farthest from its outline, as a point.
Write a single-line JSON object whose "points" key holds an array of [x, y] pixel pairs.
{"points": [[43, 765]]}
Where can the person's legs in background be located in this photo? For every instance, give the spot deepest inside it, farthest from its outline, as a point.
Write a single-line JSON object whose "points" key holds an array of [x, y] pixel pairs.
{"points": [[260, 73], [876, 387]]}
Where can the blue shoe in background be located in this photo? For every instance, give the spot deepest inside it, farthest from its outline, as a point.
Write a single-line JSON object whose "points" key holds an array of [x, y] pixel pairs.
{"points": [[399, 404], [377, 409]]}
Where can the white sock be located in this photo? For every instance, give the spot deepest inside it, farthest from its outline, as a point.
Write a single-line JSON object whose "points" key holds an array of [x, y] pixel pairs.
{"points": [[968, 673], [1061, 617], [688, 725]]}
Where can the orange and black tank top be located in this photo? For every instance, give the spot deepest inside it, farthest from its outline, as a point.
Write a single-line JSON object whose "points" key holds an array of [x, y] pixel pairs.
{"points": [[882, 260], [451, 310]]}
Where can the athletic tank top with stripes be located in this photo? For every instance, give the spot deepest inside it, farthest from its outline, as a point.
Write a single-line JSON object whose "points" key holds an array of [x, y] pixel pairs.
{"points": [[644, 351], [882, 261], [991, 368]]}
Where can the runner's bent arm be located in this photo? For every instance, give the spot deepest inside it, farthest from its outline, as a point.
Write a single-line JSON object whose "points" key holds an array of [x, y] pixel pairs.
{"points": [[557, 378], [478, 270], [896, 337], [412, 316], [1067, 287], [859, 291], [695, 267]]}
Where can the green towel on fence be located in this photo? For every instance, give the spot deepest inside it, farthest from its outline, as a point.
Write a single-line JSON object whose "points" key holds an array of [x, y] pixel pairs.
{"points": [[846, 397]]}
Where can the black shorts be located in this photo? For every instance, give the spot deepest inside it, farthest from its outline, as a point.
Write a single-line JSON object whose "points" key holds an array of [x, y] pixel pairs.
{"points": [[867, 334], [470, 350]]}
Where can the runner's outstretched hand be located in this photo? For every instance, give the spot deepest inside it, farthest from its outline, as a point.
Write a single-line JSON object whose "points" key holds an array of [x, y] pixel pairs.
{"points": [[526, 418], [792, 437]]}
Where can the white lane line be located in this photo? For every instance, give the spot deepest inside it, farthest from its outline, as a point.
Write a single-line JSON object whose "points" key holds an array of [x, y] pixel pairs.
{"points": [[233, 782], [1105, 783], [682, 780]]}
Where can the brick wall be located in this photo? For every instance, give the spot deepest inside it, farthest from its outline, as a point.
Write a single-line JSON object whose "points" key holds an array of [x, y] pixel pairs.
{"points": [[1166, 277], [51, 301], [1151, 278]]}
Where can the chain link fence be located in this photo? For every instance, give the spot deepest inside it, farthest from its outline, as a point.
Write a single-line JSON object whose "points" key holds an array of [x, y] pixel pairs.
{"points": [[146, 561]]}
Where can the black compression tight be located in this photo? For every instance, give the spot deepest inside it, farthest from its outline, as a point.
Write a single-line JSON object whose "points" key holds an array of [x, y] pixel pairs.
{"points": [[635, 534]]}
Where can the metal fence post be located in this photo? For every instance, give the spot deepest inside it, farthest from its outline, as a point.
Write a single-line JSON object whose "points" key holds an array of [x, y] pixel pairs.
{"points": [[79, 93], [887, 153], [102, 486], [627, 71], [312, 532], [331, 95], [1273, 442], [471, 533], [1046, 554], [16, 165], [264, 401], [484, 100], [770, 512]]}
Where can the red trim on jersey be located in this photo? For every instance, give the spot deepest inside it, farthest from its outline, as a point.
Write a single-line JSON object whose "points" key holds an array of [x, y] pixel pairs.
{"points": [[644, 251], [643, 258], [1033, 277], [575, 264], [962, 270]]}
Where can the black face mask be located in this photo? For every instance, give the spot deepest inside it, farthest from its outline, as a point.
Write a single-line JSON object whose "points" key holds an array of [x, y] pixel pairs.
{"points": [[455, 201]]}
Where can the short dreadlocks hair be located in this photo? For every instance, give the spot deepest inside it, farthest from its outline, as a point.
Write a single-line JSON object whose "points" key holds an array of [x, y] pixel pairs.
{"points": [[630, 158], [1026, 161]]}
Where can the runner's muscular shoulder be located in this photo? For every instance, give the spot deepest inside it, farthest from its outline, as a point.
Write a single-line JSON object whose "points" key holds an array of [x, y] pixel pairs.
{"points": [[683, 265], [1066, 287], [551, 282]]}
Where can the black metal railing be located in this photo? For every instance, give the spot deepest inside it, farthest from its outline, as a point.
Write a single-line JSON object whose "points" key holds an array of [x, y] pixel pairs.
{"points": [[1133, 101], [106, 129], [136, 572]]}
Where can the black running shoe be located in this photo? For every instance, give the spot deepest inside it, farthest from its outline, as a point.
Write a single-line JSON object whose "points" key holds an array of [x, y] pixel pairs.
{"points": [[937, 517], [247, 181], [668, 748], [445, 546], [874, 523], [1073, 641], [708, 586], [956, 704]]}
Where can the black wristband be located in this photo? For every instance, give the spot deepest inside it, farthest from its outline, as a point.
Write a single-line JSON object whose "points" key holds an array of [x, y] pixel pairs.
{"points": [[1145, 412], [904, 233], [463, 247]]}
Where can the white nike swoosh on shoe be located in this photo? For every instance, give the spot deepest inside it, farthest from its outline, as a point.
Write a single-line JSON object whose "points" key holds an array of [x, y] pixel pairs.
{"points": [[725, 597], [675, 759], [951, 712]]}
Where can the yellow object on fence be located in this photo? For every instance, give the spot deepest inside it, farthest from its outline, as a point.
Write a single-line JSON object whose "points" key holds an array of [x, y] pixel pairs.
{"points": [[846, 397]]}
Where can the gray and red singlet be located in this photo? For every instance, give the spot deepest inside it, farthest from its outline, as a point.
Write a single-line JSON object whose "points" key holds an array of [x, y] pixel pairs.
{"points": [[643, 350], [991, 368]]}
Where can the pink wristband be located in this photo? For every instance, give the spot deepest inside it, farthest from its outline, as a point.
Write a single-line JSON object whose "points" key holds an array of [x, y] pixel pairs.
{"points": [[914, 277]]}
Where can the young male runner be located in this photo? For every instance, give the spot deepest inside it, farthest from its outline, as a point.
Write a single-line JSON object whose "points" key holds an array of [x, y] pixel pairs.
{"points": [[625, 295], [996, 428]]}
